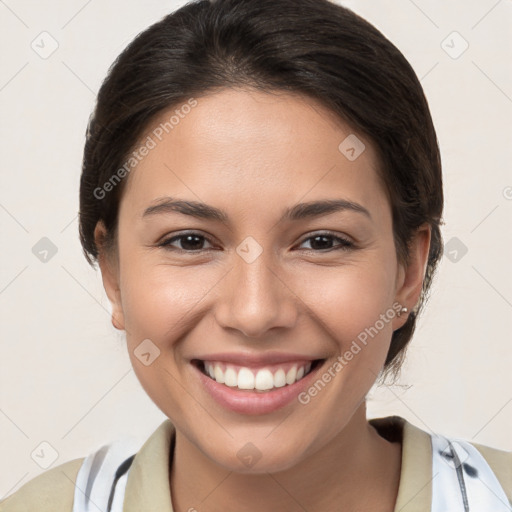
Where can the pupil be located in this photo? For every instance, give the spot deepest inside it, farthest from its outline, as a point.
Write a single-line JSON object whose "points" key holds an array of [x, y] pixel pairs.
{"points": [[187, 240], [321, 246]]}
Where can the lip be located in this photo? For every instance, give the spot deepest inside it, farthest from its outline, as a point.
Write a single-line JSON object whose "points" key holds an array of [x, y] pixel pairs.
{"points": [[254, 402], [252, 360]]}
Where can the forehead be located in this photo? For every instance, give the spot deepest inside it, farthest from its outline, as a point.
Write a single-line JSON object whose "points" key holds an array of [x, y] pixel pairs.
{"points": [[250, 150]]}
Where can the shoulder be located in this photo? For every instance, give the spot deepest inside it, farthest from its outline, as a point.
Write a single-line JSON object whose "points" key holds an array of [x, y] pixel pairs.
{"points": [[418, 460], [54, 489], [51, 491], [500, 462]]}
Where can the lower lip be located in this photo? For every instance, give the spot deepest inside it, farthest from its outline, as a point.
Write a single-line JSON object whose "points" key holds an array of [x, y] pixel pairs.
{"points": [[247, 402]]}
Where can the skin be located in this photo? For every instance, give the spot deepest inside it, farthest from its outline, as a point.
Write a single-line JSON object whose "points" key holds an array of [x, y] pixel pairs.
{"points": [[253, 154]]}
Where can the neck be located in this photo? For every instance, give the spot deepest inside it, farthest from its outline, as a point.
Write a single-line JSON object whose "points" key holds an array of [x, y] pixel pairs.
{"points": [[357, 470]]}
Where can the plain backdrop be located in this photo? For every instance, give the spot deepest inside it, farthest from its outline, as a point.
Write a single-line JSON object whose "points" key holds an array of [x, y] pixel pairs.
{"points": [[66, 384]]}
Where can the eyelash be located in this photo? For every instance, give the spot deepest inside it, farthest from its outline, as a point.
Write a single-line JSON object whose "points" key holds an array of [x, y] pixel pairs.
{"points": [[345, 245]]}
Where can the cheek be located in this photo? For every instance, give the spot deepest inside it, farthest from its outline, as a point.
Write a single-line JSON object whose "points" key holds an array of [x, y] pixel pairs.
{"points": [[160, 299], [159, 304], [349, 299]]}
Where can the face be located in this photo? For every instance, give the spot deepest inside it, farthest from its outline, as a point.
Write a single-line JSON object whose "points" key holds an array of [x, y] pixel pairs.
{"points": [[250, 287]]}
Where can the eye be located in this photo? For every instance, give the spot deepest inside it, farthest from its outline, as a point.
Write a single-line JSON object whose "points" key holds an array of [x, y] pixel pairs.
{"points": [[190, 242], [322, 242], [193, 242]]}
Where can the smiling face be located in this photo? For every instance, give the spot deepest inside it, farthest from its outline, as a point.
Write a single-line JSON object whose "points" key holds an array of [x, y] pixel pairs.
{"points": [[253, 280]]}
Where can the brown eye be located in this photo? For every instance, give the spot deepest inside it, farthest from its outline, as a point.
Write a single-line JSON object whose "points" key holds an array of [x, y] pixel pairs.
{"points": [[190, 242], [323, 242]]}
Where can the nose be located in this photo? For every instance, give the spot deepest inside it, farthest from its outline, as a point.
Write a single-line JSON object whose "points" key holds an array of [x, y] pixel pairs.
{"points": [[255, 298]]}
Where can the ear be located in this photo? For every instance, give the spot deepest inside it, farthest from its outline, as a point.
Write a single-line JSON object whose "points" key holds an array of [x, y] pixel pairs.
{"points": [[110, 276], [410, 279]]}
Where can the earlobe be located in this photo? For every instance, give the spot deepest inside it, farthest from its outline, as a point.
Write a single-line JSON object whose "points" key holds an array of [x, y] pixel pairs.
{"points": [[411, 282], [110, 276], [116, 324]]}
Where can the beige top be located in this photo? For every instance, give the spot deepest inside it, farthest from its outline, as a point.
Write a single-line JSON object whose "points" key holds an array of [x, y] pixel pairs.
{"points": [[147, 487]]}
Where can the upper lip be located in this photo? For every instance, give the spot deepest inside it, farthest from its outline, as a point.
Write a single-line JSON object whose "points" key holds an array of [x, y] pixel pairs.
{"points": [[252, 359]]}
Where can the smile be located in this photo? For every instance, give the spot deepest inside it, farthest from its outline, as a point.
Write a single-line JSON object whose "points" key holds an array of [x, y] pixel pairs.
{"points": [[259, 379], [255, 383]]}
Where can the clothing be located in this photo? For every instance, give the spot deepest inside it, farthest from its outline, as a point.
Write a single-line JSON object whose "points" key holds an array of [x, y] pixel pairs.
{"points": [[144, 478]]}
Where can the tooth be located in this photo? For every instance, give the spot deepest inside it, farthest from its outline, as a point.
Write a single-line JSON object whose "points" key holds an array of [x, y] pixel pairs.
{"points": [[230, 378], [279, 378], [264, 380], [218, 374], [245, 379], [291, 375]]}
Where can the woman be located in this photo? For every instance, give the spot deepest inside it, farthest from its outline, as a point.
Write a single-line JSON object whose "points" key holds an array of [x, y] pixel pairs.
{"points": [[262, 191]]}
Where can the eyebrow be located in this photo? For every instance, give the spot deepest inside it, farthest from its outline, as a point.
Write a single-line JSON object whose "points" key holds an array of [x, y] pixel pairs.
{"points": [[297, 212]]}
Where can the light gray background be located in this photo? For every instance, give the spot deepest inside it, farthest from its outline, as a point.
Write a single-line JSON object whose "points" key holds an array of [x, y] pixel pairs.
{"points": [[65, 375]]}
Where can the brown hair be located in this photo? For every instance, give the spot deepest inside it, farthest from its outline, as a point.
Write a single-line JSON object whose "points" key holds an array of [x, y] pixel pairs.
{"points": [[312, 47]]}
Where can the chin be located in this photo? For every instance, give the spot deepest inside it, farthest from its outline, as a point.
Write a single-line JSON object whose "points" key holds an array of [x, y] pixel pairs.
{"points": [[255, 458]]}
